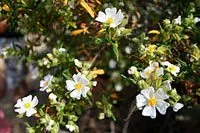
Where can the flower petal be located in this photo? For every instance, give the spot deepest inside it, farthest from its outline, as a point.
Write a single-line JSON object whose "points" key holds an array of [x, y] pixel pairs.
{"points": [[119, 15], [149, 111], [140, 101], [101, 17], [161, 95], [84, 80], [166, 63], [159, 71], [35, 101], [30, 112], [111, 12], [75, 94], [77, 77], [177, 106], [148, 92], [20, 110], [27, 99], [43, 88], [84, 91], [19, 103], [162, 106], [70, 85]]}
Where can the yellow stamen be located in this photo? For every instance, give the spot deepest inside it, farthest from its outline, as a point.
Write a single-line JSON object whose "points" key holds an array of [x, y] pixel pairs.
{"points": [[110, 21], [78, 86], [152, 101], [172, 68], [46, 83], [148, 73], [27, 105], [155, 66]]}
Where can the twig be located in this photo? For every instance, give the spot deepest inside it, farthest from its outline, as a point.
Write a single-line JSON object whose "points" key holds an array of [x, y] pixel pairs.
{"points": [[127, 120], [98, 54], [112, 127]]}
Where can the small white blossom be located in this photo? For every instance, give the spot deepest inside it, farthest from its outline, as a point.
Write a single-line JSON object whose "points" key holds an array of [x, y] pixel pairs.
{"points": [[112, 64], [26, 105], [152, 101], [173, 69], [128, 50], [196, 19], [152, 70], [118, 87], [70, 127], [177, 106], [53, 97], [110, 17], [50, 125], [94, 83], [62, 50], [78, 86], [44, 84], [132, 70], [178, 20]]}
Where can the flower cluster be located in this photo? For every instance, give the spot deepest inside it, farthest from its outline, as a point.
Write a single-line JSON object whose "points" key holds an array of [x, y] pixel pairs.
{"points": [[156, 93]]}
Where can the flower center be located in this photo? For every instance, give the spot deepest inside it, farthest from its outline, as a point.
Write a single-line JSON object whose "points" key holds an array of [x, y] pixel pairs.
{"points": [[78, 86], [172, 68], [46, 83], [110, 20], [152, 101], [148, 73], [27, 105]]}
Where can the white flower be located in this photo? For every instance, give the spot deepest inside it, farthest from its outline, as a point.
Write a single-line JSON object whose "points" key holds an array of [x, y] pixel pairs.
{"points": [[196, 19], [153, 70], [62, 50], [132, 70], [110, 17], [177, 106], [44, 84], [167, 85], [78, 86], [53, 97], [118, 87], [26, 105], [70, 127], [178, 20], [171, 68], [112, 64], [128, 50], [50, 124], [152, 101]]}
